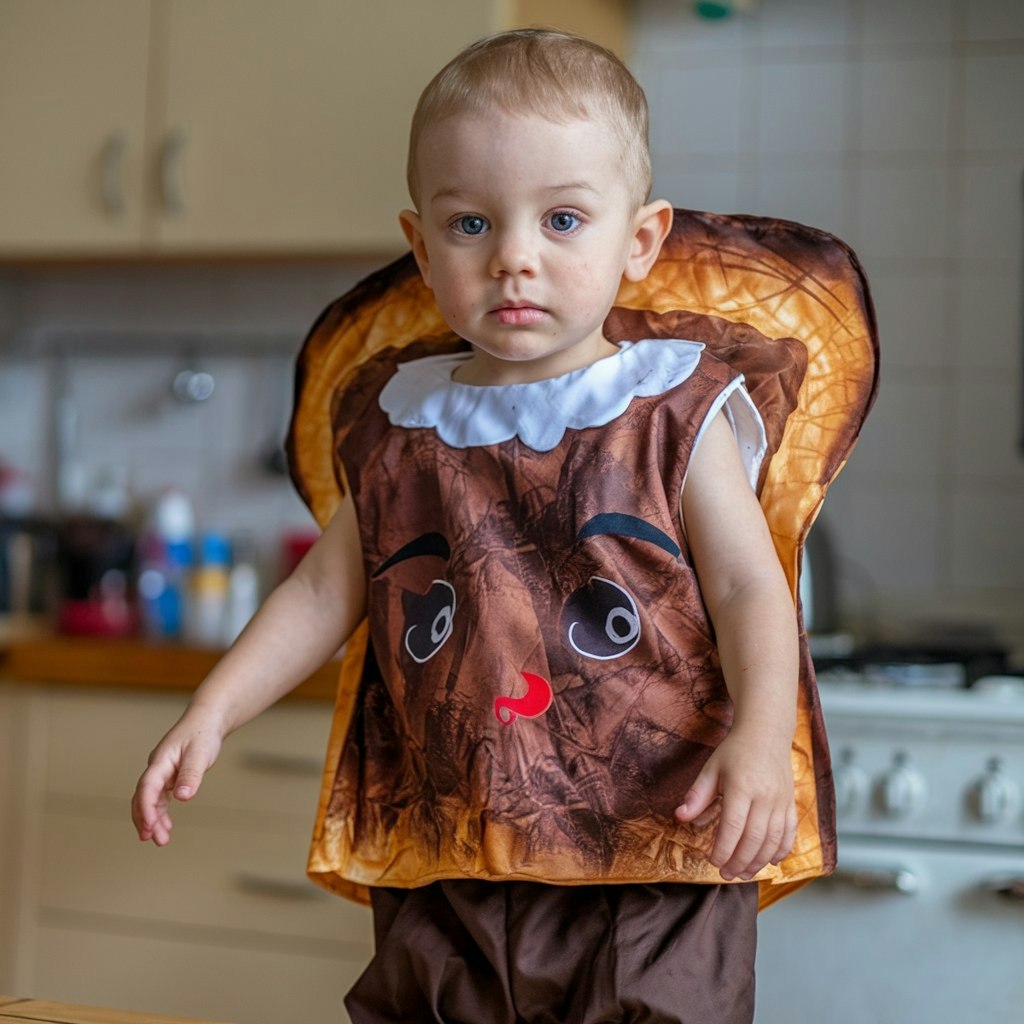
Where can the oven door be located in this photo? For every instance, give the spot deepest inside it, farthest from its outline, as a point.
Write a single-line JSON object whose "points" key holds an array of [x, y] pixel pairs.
{"points": [[903, 932]]}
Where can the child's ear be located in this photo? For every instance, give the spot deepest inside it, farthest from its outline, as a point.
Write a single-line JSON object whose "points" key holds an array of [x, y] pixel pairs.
{"points": [[650, 228], [413, 228]]}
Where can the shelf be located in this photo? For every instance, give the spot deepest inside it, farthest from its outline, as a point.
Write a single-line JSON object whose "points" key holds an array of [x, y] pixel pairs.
{"points": [[132, 664]]}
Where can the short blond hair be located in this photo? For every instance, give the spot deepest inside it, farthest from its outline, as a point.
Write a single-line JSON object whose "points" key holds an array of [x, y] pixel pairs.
{"points": [[559, 76]]}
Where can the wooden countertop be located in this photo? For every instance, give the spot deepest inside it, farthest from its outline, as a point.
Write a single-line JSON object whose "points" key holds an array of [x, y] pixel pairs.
{"points": [[24, 1011], [130, 663]]}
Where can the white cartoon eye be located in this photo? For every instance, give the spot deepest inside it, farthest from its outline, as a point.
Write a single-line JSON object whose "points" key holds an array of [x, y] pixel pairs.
{"points": [[601, 620], [430, 619]]}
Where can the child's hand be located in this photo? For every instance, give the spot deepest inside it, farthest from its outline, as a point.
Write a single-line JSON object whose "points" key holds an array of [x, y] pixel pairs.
{"points": [[176, 769], [753, 777]]}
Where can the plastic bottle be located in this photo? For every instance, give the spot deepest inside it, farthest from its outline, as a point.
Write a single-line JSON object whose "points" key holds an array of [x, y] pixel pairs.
{"points": [[152, 584], [166, 565], [208, 597], [243, 588]]}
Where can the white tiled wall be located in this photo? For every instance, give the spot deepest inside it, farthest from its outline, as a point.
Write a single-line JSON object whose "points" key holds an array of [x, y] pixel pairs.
{"points": [[897, 126], [127, 422]]}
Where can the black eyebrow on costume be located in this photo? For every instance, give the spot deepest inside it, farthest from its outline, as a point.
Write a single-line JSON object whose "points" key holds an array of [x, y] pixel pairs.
{"points": [[425, 544], [621, 525]]}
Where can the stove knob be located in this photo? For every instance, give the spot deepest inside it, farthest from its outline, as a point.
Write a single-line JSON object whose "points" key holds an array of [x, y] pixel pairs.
{"points": [[996, 797], [902, 789], [851, 783]]}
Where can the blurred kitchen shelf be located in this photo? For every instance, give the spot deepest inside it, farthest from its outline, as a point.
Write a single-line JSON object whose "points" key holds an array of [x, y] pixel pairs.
{"points": [[131, 663], [19, 628]]}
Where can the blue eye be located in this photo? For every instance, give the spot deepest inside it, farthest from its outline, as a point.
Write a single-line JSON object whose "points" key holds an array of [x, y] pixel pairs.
{"points": [[471, 224], [564, 221]]}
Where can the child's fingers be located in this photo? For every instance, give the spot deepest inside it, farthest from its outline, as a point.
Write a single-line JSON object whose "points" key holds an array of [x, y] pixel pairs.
{"points": [[788, 836], [159, 836], [706, 817], [176, 770], [749, 844], [773, 839], [149, 801], [160, 831], [197, 755], [699, 797], [188, 779], [732, 826]]}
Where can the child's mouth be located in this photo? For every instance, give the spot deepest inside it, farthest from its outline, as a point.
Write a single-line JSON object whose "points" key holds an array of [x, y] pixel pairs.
{"points": [[518, 316]]}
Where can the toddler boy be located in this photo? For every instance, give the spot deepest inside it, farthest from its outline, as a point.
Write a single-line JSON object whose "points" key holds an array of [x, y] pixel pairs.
{"points": [[575, 727]]}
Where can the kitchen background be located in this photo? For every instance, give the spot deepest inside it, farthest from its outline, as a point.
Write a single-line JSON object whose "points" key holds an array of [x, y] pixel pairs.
{"points": [[897, 126]]}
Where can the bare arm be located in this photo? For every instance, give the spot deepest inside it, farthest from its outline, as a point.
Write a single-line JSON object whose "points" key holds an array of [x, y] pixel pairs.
{"points": [[750, 605], [300, 625]]}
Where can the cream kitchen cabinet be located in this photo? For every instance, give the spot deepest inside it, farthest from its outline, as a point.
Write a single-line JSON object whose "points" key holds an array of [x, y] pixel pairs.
{"points": [[229, 127], [222, 923], [72, 125]]}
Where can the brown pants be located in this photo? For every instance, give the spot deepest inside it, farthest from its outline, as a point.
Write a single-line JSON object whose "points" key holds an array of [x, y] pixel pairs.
{"points": [[471, 952]]}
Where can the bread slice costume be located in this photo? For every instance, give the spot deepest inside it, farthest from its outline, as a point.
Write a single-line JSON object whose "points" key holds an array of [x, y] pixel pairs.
{"points": [[542, 685]]}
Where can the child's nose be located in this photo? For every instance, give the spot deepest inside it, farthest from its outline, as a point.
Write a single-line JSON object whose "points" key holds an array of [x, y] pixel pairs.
{"points": [[514, 253]]}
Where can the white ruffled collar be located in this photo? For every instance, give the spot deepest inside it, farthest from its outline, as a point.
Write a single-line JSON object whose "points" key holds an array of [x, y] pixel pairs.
{"points": [[423, 394]]}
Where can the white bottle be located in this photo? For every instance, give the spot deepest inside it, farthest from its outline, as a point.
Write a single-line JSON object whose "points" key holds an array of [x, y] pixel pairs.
{"points": [[208, 596], [164, 581], [243, 588]]}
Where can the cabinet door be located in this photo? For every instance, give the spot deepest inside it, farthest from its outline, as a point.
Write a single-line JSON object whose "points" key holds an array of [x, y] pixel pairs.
{"points": [[286, 124], [72, 115], [183, 974], [11, 758]]}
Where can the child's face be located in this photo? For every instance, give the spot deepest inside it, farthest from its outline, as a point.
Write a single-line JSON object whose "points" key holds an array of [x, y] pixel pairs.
{"points": [[525, 229]]}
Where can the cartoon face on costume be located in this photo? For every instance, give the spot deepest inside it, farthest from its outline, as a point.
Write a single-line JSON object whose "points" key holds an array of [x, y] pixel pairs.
{"points": [[538, 656], [599, 620]]}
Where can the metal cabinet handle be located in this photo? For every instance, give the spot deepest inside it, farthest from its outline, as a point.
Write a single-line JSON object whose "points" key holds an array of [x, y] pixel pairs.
{"points": [[1010, 887], [280, 764], [277, 888], [171, 190], [112, 174], [895, 879]]}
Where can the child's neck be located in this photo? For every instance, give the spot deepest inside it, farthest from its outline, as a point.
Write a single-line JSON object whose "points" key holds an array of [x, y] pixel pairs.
{"points": [[487, 370]]}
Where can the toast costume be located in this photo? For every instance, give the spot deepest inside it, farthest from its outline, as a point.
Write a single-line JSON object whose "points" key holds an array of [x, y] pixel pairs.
{"points": [[542, 683]]}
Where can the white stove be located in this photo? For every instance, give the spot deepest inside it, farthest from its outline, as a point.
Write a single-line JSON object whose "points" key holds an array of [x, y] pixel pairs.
{"points": [[923, 919]]}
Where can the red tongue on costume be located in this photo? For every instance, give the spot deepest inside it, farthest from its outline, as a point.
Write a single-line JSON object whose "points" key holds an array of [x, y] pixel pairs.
{"points": [[534, 702]]}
